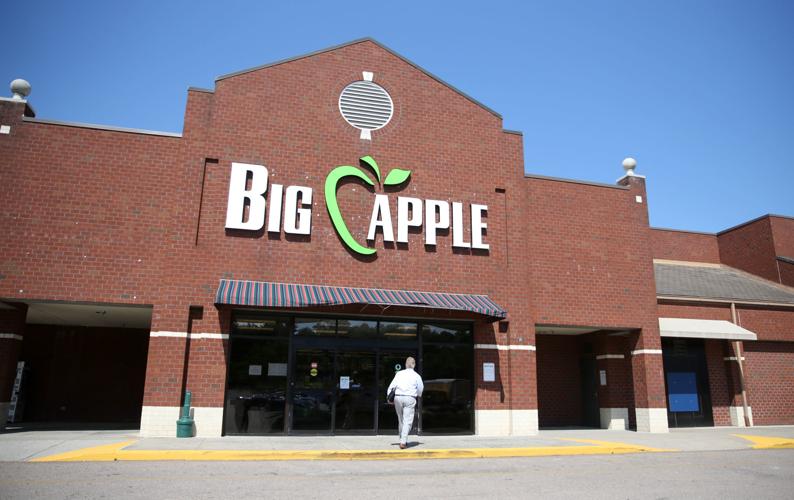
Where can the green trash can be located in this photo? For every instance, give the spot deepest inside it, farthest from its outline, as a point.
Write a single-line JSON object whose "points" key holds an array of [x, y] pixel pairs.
{"points": [[184, 426]]}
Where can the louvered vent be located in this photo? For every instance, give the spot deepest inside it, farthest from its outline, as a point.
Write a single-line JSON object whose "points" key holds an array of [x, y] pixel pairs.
{"points": [[366, 106]]}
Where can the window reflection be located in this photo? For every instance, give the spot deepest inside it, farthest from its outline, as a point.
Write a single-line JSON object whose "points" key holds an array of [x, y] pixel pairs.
{"points": [[356, 328], [446, 333], [401, 331], [318, 327], [261, 326]]}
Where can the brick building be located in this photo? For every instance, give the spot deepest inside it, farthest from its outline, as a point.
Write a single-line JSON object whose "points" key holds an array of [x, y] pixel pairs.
{"points": [[321, 218]]}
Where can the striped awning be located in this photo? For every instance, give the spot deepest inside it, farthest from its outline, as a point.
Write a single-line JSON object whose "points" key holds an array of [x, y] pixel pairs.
{"points": [[262, 294]]}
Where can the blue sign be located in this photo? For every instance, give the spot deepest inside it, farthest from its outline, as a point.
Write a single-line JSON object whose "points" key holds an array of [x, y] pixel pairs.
{"points": [[682, 391]]}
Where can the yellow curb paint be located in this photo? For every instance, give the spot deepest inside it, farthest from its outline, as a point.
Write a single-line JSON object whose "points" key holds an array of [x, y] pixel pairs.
{"points": [[614, 445], [109, 453], [768, 442]]}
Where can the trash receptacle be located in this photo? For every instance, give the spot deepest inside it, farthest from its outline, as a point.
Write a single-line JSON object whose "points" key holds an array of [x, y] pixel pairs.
{"points": [[184, 426]]}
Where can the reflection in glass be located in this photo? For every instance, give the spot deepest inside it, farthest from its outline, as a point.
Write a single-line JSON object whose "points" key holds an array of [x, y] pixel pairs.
{"points": [[356, 328], [261, 326], [446, 333], [398, 331], [312, 397], [257, 383], [318, 327], [447, 402], [355, 404]]}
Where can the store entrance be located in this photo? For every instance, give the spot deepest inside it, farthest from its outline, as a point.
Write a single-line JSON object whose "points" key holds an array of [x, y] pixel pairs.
{"points": [[307, 375], [687, 383]]}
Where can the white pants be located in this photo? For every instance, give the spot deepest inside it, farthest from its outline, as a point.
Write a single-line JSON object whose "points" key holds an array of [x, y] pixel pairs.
{"points": [[405, 407]]}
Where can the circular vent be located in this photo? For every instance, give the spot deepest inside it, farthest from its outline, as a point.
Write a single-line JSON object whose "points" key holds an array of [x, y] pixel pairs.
{"points": [[366, 106]]}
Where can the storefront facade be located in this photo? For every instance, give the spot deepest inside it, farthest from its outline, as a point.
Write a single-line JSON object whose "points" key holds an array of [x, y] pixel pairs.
{"points": [[318, 220]]}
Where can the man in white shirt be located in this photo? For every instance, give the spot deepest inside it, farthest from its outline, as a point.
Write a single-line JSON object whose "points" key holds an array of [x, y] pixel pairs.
{"points": [[409, 387]]}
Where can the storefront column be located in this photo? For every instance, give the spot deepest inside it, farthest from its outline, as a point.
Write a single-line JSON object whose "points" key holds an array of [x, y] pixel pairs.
{"points": [[12, 328], [650, 405], [736, 410], [614, 381]]}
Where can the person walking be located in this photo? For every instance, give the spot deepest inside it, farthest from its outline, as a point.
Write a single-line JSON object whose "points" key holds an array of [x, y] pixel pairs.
{"points": [[408, 388]]}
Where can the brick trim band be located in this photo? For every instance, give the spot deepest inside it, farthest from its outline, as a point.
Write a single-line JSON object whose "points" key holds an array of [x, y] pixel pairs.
{"points": [[197, 336], [610, 356], [646, 351], [514, 347], [10, 336], [732, 358]]}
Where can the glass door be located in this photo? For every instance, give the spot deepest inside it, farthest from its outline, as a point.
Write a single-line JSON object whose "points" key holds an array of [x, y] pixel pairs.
{"points": [[390, 362], [313, 387], [355, 404]]}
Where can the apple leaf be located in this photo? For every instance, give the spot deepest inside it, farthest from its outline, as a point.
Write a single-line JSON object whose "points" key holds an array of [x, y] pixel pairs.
{"points": [[397, 176]]}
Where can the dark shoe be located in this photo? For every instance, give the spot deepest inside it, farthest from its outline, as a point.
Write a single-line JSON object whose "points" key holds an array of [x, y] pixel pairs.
{"points": [[403, 446]]}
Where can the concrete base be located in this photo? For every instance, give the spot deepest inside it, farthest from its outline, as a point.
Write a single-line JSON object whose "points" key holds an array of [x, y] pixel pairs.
{"points": [[614, 418], [651, 420], [160, 421], [506, 422], [737, 415]]}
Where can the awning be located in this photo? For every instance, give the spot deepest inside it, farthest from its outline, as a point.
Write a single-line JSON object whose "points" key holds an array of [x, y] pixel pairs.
{"points": [[262, 294], [703, 329]]}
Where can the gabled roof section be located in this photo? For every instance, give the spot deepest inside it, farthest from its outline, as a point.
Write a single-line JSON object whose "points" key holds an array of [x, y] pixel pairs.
{"points": [[717, 282], [354, 42]]}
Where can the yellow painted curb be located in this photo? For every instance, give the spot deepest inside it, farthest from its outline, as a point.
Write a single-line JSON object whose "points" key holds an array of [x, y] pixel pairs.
{"points": [[113, 452], [768, 442]]}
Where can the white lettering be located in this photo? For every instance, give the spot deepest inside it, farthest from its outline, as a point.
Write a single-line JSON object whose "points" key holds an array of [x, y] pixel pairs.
{"points": [[381, 218], [298, 220], [235, 209], [274, 216], [457, 226], [478, 227], [404, 205], [431, 224]]}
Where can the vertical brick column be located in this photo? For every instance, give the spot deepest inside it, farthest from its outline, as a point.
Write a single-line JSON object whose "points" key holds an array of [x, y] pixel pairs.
{"points": [[647, 369], [616, 397], [12, 327], [165, 369]]}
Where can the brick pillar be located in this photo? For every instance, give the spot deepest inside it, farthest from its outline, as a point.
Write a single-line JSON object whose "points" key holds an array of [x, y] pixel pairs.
{"points": [[736, 408], [165, 369], [648, 376], [615, 399], [12, 328]]}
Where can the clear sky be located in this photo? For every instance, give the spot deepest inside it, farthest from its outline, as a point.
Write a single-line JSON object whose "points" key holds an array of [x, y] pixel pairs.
{"points": [[700, 92]]}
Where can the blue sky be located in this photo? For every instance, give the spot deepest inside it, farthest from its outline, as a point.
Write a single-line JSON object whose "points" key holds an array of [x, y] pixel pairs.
{"points": [[700, 92]]}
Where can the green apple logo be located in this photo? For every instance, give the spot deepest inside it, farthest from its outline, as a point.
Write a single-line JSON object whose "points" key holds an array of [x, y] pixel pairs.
{"points": [[396, 177]]}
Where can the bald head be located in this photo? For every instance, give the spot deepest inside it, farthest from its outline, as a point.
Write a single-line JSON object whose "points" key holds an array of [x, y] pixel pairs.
{"points": [[410, 362]]}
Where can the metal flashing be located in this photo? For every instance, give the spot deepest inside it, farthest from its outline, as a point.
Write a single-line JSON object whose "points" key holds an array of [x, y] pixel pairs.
{"points": [[515, 132], [101, 127], [199, 89], [354, 42], [683, 231], [574, 181]]}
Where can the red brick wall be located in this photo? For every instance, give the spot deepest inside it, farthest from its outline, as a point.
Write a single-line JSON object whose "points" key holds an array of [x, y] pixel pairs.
{"points": [[751, 248], [786, 271], [770, 379], [692, 311], [721, 384], [681, 245], [783, 234], [559, 381], [768, 323]]}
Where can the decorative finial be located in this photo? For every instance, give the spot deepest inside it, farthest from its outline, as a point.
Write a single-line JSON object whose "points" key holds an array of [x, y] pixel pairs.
{"points": [[20, 89], [629, 164]]}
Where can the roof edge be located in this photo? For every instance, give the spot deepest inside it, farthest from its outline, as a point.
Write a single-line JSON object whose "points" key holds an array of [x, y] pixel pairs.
{"points": [[682, 231], [109, 128], [575, 181], [354, 42]]}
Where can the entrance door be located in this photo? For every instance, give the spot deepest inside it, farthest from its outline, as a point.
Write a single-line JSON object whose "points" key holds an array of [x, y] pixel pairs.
{"points": [[687, 383], [356, 400], [390, 362], [313, 387]]}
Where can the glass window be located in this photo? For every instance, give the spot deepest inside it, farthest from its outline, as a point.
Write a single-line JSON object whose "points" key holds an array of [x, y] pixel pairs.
{"points": [[316, 327], [256, 387], [261, 326], [447, 401], [355, 328], [446, 332], [398, 331]]}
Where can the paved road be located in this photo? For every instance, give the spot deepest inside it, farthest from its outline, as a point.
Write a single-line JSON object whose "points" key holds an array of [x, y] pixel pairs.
{"points": [[735, 474]]}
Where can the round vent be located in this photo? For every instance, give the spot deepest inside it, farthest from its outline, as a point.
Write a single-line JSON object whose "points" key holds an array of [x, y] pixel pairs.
{"points": [[366, 106]]}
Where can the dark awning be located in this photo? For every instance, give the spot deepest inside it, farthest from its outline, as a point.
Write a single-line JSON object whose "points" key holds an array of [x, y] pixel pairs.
{"points": [[261, 294]]}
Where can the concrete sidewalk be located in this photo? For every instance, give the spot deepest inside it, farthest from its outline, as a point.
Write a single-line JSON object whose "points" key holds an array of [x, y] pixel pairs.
{"points": [[109, 445]]}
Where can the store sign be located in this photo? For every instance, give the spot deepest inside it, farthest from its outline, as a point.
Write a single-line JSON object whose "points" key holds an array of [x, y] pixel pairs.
{"points": [[249, 185]]}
